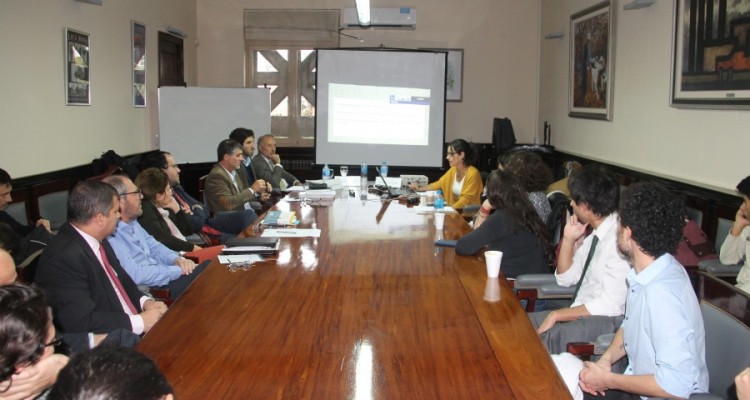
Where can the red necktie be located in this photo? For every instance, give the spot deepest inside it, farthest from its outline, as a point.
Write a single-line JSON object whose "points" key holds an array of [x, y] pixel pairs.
{"points": [[118, 285], [182, 202]]}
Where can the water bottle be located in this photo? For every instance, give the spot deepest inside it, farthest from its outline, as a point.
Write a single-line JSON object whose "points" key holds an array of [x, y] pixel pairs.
{"points": [[384, 169], [363, 178], [439, 201], [327, 173]]}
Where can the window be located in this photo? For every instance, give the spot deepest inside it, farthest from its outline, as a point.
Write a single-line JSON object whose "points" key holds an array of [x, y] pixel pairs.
{"points": [[280, 55]]}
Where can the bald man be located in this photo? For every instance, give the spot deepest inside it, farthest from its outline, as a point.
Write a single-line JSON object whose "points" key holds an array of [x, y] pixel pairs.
{"points": [[7, 268]]}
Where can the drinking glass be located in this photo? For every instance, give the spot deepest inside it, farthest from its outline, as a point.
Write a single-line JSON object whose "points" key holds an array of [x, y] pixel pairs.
{"points": [[344, 170]]}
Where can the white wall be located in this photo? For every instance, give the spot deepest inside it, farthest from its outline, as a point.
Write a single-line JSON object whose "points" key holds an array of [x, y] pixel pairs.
{"points": [[705, 147], [500, 39], [41, 134]]}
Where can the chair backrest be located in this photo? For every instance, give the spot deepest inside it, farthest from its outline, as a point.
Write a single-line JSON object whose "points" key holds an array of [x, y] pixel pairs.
{"points": [[695, 215], [17, 210], [52, 201], [726, 315]]}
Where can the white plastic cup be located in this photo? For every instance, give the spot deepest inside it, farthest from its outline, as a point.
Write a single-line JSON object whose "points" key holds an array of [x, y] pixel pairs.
{"points": [[439, 220], [492, 290], [493, 259]]}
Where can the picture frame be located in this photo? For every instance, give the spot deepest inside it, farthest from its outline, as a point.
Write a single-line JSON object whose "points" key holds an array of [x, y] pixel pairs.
{"points": [[454, 74], [138, 50], [709, 68], [77, 68], [591, 76]]}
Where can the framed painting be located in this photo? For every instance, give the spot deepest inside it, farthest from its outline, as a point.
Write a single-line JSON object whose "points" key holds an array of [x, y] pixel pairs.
{"points": [[710, 66], [138, 47], [77, 68], [590, 84], [454, 74]]}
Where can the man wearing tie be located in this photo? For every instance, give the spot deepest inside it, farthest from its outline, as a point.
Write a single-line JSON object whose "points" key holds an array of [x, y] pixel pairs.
{"points": [[267, 165], [246, 138], [597, 269], [225, 189], [87, 288]]}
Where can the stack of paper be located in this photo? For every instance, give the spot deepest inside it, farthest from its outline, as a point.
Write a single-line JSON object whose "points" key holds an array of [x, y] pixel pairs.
{"points": [[321, 195], [280, 218]]}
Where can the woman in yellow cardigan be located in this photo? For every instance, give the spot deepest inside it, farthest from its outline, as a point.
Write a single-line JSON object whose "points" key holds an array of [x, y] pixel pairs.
{"points": [[462, 184]]}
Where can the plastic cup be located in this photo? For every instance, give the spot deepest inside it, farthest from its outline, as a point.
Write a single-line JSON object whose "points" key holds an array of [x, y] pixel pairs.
{"points": [[439, 220], [492, 290], [430, 198], [493, 259], [344, 170]]}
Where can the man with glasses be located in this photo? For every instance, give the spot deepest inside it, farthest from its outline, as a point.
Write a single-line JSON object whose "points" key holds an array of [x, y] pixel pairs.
{"points": [[268, 166], [88, 289], [147, 261], [226, 224]]}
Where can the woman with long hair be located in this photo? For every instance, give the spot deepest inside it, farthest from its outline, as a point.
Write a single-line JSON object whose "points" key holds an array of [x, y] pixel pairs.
{"points": [[462, 184], [514, 228], [162, 216], [535, 176]]}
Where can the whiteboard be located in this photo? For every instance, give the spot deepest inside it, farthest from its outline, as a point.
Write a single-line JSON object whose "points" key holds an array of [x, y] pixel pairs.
{"points": [[193, 120]]}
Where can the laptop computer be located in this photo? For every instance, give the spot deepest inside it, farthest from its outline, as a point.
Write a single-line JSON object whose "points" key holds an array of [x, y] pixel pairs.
{"points": [[393, 193]]}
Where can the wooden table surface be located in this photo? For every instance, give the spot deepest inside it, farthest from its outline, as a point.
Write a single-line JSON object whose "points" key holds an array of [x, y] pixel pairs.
{"points": [[370, 310]]}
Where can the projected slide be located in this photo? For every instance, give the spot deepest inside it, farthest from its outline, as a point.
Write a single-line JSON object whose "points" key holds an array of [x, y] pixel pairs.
{"points": [[378, 115]]}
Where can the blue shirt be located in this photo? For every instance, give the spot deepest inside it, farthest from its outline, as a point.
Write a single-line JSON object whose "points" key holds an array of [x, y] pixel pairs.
{"points": [[147, 261], [663, 328]]}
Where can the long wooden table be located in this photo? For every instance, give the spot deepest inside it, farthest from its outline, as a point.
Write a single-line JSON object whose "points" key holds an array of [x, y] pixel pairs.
{"points": [[370, 310]]}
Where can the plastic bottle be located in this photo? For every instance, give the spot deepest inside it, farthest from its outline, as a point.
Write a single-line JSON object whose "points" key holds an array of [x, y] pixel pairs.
{"points": [[363, 178], [327, 173], [384, 169], [439, 201]]}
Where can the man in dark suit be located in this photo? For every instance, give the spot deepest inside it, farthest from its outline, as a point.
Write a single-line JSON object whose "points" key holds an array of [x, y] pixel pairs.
{"points": [[227, 224], [267, 165], [87, 288], [225, 189], [246, 138]]}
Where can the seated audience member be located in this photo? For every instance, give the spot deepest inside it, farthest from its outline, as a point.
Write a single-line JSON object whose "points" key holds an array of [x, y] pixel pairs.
{"points": [[562, 185], [30, 239], [76, 342], [742, 381], [6, 188], [225, 190], [162, 216], [267, 165], [597, 269], [662, 335], [246, 138], [227, 224], [535, 176], [737, 243], [8, 239], [87, 288], [28, 365], [111, 373], [514, 228], [462, 184], [146, 261]]}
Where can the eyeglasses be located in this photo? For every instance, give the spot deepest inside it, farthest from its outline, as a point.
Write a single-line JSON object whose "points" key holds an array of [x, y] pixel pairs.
{"points": [[451, 153], [172, 166], [137, 192], [7, 375]]}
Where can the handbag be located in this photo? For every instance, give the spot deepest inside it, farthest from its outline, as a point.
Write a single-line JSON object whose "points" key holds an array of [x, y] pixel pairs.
{"points": [[695, 246]]}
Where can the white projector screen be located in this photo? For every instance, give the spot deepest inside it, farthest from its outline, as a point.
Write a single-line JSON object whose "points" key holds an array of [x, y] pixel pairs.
{"points": [[380, 105]]}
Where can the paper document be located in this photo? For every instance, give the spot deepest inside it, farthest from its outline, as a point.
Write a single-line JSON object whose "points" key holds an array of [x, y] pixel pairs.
{"points": [[240, 258], [291, 233], [295, 189], [431, 210]]}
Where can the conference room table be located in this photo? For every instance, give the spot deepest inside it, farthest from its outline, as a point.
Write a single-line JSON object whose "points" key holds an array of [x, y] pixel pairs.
{"points": [[371, 309]]}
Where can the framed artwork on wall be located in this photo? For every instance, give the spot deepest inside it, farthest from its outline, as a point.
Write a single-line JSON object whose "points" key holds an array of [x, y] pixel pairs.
{"points": [[591, 78], [710, 66], [77, 68], [138, 47], [454, 75]]}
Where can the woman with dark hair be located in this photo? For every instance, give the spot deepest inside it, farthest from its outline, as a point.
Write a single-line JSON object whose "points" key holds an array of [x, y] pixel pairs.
{"points": [[162, 216], [462, 184], [27, 340], [514, 228], [535, 176]]}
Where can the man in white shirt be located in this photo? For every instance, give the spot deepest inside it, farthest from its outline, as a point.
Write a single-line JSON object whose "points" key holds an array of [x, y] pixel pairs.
{"points": [[597, 269], [737, 243]]}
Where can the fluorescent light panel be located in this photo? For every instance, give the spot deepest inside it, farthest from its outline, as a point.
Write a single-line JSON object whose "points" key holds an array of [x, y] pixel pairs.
{"points": [[363, 11]]}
